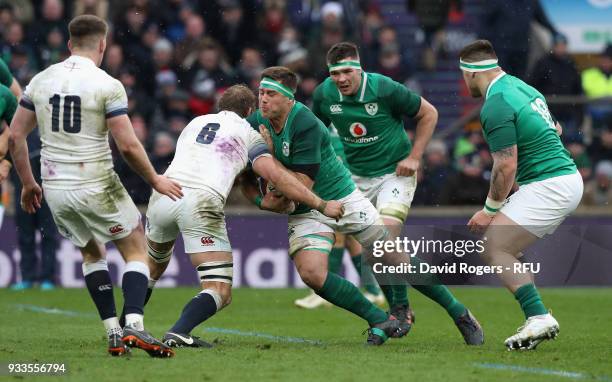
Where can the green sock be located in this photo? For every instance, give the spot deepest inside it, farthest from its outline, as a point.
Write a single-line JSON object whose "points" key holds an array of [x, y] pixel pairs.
{"points": [[389, 295], [438, 293], [400, 295], [344, 294], [367, 277], [530, 300], [334, 261]]}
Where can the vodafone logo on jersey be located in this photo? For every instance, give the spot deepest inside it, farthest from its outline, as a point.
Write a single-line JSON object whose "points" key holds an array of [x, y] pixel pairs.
{"points": [[358, 130]]}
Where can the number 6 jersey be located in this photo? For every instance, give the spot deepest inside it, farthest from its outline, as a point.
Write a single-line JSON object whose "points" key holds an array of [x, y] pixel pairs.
{"points": [[72, 100], [213, 149]]}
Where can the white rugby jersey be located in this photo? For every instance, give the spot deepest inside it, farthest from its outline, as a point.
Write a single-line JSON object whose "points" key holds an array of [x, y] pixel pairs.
{"points": [[213, 149], [72, 100]]}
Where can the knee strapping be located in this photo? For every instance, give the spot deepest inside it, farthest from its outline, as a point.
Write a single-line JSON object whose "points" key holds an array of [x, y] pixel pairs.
{"points": [[395, 211], [219, 271], [373, 233], [159, 256], [311, 242]]}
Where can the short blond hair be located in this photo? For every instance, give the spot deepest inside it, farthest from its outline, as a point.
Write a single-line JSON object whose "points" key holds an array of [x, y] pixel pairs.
{"points": [[87, 30]]}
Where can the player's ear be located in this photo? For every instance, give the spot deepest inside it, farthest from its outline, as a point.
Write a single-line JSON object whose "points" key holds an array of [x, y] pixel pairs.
{"points": [[70, 45]]}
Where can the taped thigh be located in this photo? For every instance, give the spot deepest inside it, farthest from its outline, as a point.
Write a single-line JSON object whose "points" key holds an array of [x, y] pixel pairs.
{"points": [[219, 271], [310, 242], [371, 234], [159, 256]]}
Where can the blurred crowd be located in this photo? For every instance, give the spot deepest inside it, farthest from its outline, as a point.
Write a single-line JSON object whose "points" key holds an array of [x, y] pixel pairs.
{"points": [[175, 57]]}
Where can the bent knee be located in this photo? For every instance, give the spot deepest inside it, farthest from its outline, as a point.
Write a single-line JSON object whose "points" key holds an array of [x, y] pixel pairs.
{"points": [[312, 276]]}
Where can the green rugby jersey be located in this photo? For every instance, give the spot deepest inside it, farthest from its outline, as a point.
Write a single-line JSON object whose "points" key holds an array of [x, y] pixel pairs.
{"points": [[515, 113], [6, 78], [370, 122], [8, 105], [304, 140]]}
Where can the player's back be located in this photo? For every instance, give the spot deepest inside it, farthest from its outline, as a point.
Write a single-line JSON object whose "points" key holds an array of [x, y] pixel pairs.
{"points": [[212, 150], [72, 100]]}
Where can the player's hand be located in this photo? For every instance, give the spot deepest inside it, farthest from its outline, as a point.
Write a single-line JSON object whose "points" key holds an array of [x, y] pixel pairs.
{"points": [[332, 209], [265, 134], [479, 222], [31, 198], [167, 187], [279, 204], [5, 169], [407, 167]]}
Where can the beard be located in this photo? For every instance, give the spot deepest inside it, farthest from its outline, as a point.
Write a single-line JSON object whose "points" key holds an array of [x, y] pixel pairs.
{"points": [[475, 92]]}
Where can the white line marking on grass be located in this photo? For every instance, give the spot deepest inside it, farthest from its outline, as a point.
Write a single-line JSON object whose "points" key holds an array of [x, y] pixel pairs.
{"points": [[295, 340], [42, 309], [71, 313], [541, 371]]}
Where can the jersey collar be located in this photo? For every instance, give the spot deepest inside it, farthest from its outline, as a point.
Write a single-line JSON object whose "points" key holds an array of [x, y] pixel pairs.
{"points": [[500, 75], [81, 60], [362, 88]]}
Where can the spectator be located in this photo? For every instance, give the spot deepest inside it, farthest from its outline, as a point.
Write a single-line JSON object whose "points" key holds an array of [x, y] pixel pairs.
{"points": [[250, 66], [598, 192], [235, 30], [50, 20], [556, 74], [195, 29], [597, 82], [434, 174], [601, 148], [28, 224], [469, 186], [577, 151], [163, 151], [113, 60], [91, 7], [507, 24], [138, 189], [432, 16]]}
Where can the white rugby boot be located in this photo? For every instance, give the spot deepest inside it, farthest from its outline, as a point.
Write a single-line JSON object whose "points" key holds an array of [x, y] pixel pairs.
{"points": [[536, 329], [312, 301]]}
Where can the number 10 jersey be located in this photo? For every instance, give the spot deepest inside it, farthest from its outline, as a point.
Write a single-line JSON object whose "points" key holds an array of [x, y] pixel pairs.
{"points": [[72, 100]]}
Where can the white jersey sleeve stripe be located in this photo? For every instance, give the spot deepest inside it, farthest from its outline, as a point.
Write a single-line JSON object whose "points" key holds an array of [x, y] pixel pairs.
{"points": [[27, 103], [116, 112]]}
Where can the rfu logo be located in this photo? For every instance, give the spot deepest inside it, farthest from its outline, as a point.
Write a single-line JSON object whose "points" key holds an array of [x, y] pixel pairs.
{"points": [[207, 241], [116, 229], [335, 109]]}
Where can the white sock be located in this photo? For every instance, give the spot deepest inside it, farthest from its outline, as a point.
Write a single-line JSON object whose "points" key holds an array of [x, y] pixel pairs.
{"points": [[135, 321], [112, 326]]}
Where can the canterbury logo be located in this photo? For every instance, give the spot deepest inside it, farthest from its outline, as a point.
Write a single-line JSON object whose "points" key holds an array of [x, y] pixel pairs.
{"points": [[116, 229], [207, 241], [105, 287], [335, 109]]}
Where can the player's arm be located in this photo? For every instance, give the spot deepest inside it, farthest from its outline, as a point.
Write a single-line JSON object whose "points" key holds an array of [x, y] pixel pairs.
{"points": [[500, 132], [503, 173], [4, 138], [294, 189], [22, 125], [134, 154], [426, 120], [15, 88], [404, 102]]}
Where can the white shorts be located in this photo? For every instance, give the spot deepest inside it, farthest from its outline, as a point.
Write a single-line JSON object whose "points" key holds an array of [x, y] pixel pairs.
{"points": [[540, 207], [104, 212], [391, 194], [198, 216], [360, 220]]}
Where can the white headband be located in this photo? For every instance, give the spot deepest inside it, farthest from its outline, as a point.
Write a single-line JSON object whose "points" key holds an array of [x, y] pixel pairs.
{"points": [[478, 66]]}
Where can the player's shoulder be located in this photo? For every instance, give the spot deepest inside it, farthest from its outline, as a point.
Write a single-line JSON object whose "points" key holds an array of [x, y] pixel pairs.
{"points": [[381, 85], [496, 105], [326, 88], [305, 116]]}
